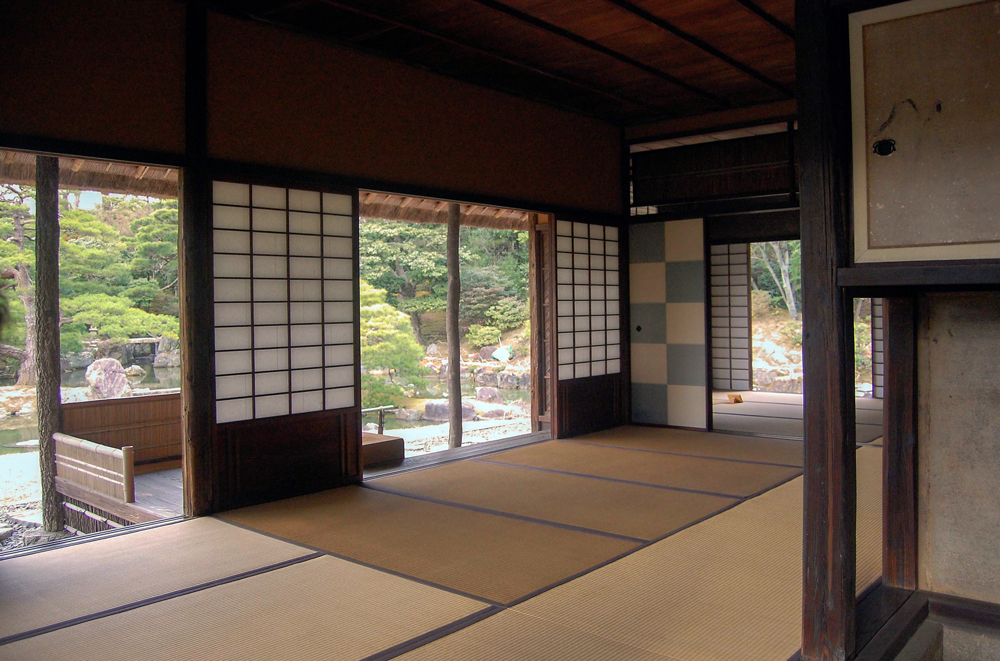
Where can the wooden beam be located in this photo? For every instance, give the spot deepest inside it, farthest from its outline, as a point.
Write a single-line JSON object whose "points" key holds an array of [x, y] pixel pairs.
{"points": [[514, 61], [604, 50], [899, 445], [830, 490], [778, 111], [46, 329], [451, 320], [77, 164], [773, 21], [703, 46]]}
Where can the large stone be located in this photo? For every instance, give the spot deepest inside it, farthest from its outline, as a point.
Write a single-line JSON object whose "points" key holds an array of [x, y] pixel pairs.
{"points": [[432, 350], [5, 532], [437, 411], [488, 395], [509, 381], [38, 536], [486, 353], [107, 379], [488, 378], [135, 372], [167, 344], [525, 381], [76, 360], [170, 358], [408, 415]]}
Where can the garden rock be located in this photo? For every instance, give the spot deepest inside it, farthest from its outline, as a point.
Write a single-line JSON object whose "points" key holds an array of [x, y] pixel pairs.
{"points": [[170, 358], [135, 372], [432, 350], [486, 353], [525, 381], [107, 379], [76, 361], [38, 536], [409, 415], [5, 532], [437, 411], [509, 381], [488, 378], [488, 395]]}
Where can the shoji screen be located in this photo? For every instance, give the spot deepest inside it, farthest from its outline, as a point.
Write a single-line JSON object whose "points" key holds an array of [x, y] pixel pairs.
{"points": [[878, 350], [284, 301], [731, 335], [588, 335]]}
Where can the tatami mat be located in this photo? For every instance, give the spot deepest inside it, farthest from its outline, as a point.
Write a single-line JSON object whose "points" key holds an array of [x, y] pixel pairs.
{"points": [[700, 444], [727, 589], [511, 636], [486, 555], [721, 477], [323, 608], [631, 510], [790, 411], [47, 588], [751, 424]]}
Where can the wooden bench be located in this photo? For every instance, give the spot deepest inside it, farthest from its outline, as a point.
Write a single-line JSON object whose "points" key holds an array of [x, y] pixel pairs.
{"points": [[378, 449]]}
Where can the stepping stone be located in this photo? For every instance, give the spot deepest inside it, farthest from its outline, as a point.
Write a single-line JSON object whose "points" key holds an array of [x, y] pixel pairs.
{"points": [[5, 533], [28, 518]]}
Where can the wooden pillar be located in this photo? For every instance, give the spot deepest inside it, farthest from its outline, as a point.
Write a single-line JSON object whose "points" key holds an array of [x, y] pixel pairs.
{"points": [[454, 347], [195, 258], [47, 332], [829, 549], [899, 445]]}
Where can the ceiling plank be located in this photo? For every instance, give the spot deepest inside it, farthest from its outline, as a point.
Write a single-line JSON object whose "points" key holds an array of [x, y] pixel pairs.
{"points": [[600, 48], [786, 91], [498, 56], [773, 20]]}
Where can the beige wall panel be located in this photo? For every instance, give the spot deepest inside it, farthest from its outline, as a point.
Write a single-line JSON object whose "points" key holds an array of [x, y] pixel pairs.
{"points": [[647, 283], [959, 466], [649, 363], [686, 406], [282, 99], [101, 71], [685, 323], [684, 241]]}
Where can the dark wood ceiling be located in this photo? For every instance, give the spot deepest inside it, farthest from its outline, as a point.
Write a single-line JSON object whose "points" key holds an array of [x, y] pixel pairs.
{"points": [[625, 61]]}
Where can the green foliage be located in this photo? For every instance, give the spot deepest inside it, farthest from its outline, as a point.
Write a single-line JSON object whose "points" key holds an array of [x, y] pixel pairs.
{"points": [[765, 282], [509, 312], [142, 293], [387, 340], [761, 303], [482, 336], [114, 318], [862, 345], [156, 248], [376, 391]]}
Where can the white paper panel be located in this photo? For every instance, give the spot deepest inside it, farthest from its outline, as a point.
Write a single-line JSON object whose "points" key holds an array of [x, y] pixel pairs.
{"points": [[564, 259], [564, 244], [564, 308], [339, 398], [269, 244], [305, 267], [581, 307], [269, 290], [598, 353], [597, 231], [582, 370], [338, 290], [306, 290], [270, 267], [266, 337], [305, 313], [581, 339], [611, 247], [613, 321], [565, 372], [228, 339], [581, 229], [613, 307], [564, 228], [596, 262], [596, 291], [268, 196], [564, 276], [611, 233], [611, 263], [613, 337], [271, 407], [266, 360], [232, 218], [303, 200], [580, 245], [335, 246], [597, 307], [234, 410], [339, 376], [303, 246], [581, 276], [597, 322], [338, 333], [303, 223], [307, 379], [614, 351], [596, 247], [269, 220], [237, 291], [231, 241], [582, 323], [613, 292], [232, 314], [340, 354], [270, 383], [597, 337], [335, 203], [232, 362], [224, 192], [612, 277], [306, 357], [566, 339], [231, 266], [581, 261], [581, 292], [311, 334], [270, 313], [564, 323], [338, 269], [614, 366], [598, 368], [582, 354], [338, 225], [227, 387], [338, 312], [597, 277], [565, 356], [564, 292], [307, 402]]}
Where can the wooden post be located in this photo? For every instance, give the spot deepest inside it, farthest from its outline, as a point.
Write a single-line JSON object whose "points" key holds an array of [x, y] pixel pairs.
{"points": [[47, 332], [451, 323], [899, 445], [829, 545], [128, 473]]}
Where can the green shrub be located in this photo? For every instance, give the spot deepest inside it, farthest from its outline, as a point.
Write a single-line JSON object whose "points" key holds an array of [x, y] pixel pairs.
{"points": [[376, 392], [482, 336], [508, 312], [760, 303]]}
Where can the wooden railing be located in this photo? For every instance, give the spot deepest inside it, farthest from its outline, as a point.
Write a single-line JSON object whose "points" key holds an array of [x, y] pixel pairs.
{"points": [[151, 424], [97, 468]]}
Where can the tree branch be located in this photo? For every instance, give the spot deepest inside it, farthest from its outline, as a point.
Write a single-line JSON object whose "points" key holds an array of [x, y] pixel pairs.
{"points": [[7, 351]]}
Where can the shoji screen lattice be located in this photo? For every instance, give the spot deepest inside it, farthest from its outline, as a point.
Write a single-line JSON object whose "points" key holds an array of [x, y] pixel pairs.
{"points": [[878, 349], [588, 335], [284, 301], [731, 368]]}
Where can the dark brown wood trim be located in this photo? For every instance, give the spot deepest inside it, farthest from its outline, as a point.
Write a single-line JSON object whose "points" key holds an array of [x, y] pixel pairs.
{"points": [[625, 414], [778, 225], [706, 257], [899, 446], [604, 50], [556, 405], [773, 21], [60, 147], [704, 46], [887, 618], [944, 275], [961, 609], [124, 510], [774, 112], [829, 545]]}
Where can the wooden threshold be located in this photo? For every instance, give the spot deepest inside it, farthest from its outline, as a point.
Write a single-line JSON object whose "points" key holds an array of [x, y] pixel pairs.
{"points": [[126, 511]]}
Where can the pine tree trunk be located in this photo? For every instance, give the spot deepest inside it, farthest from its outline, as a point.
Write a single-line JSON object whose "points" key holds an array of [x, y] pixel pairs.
{"points": [[46, 333], [26, 373], [451, 324]]}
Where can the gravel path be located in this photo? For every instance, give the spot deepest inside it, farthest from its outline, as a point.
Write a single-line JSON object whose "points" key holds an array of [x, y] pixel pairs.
{"points": [[14, 541]]}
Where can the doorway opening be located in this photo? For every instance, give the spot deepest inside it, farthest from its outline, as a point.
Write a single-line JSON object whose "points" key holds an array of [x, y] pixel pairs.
{"points": [[404, 345]]}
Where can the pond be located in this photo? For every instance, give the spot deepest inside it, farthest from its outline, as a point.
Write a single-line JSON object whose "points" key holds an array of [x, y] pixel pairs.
{"points": [[438, 389]]}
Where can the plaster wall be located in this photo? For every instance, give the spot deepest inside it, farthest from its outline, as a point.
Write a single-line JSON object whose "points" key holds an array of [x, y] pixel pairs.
{"points": [[959, 445]]}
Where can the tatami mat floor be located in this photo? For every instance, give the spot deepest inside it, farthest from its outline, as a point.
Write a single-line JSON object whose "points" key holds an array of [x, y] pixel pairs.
{"points": [[780, 414], [628, 544]]}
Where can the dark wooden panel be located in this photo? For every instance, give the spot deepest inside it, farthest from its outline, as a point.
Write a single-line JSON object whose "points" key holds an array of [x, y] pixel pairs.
{"points": [[938, 275], [899, 448], [829, 545], [151, 425], [713, 170], [274, 458], [887, 618], [782, 225], [589, 404]]}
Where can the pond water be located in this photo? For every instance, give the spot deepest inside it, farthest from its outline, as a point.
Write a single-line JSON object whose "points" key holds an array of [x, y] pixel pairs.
{"points": [[438, 389]]}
